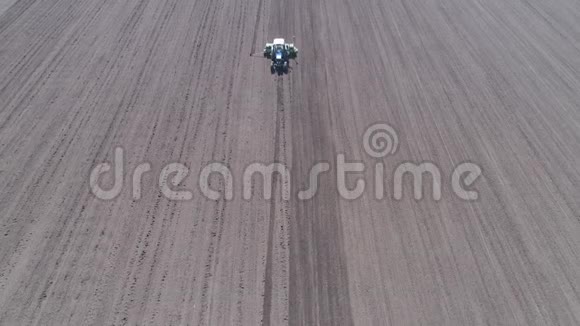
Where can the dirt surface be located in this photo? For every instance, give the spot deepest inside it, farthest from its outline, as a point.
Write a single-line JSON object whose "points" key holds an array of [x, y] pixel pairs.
{"points": [[493, 82]]}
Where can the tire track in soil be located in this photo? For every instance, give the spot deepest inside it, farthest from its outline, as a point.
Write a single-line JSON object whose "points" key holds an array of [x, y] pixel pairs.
{"points": [[278, 145], [256, 25], [319, 283], [49, 167], [64, 243], [222, 153], [214, 8]]}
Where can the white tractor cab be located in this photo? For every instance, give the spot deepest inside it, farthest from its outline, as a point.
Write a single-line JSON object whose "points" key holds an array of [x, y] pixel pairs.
{"points": [[280, 53]]}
